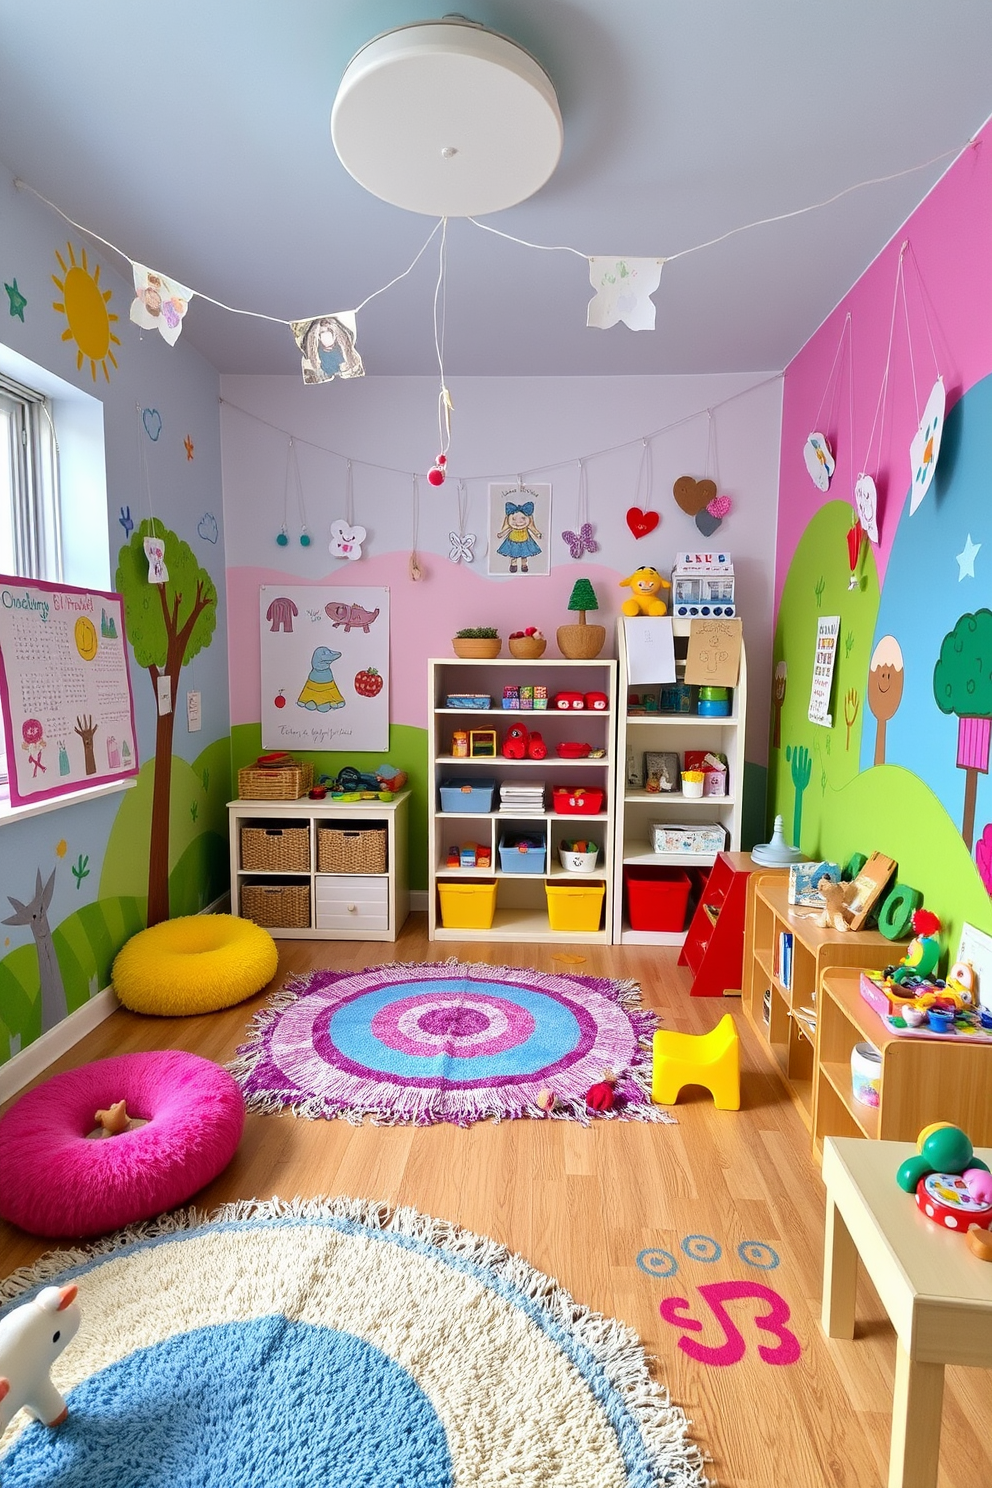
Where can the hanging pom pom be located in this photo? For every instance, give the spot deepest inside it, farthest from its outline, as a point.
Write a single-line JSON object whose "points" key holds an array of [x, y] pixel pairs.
{"points": [[283, 538], [436, 476]]}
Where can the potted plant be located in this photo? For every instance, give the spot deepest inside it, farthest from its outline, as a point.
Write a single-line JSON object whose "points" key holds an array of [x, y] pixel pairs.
{"points": [[582, 642], [477, 642], [527, 645]]}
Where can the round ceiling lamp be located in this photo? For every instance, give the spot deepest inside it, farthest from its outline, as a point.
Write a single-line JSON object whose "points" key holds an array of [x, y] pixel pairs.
{"points": [[447, 118]]}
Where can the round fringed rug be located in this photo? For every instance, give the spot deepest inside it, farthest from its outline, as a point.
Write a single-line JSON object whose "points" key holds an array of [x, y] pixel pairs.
{"points": [[338, 1342], [447, 1041]]}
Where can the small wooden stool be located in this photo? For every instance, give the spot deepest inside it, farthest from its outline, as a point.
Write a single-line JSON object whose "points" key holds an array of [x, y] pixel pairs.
{"points": [[708, 1059]]}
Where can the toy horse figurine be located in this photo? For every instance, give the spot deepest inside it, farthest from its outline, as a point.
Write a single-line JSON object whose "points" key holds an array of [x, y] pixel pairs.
{"points": [[31, 1339]]}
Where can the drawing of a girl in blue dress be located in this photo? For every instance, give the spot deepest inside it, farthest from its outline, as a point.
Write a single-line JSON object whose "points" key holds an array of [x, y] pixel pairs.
{"points": [[320, 691], [519, 534]]}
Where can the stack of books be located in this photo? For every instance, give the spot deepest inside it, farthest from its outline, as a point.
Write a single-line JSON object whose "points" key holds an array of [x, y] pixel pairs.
{"points": [[517, 798]]}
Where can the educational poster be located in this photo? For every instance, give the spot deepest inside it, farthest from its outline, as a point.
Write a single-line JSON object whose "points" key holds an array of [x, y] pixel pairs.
{"points": [[65, 689], [827, 633], [520, 529], [325, 667]]}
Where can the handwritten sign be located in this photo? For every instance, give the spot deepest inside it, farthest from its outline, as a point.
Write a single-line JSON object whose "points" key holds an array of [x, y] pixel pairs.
{"points": [[64, 687], [713, 657]]}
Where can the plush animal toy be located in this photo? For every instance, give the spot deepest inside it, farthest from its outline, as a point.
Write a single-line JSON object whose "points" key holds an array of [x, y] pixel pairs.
{"points": [[31, 1339], [516, 741], [644, 584], [603, 1096], [836, 913]]}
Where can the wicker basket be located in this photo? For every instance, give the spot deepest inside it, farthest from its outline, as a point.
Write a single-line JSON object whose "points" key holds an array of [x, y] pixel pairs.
{"points": [[285, 784], [275, 849], [277, 906], [351, 850], [526, 648]]}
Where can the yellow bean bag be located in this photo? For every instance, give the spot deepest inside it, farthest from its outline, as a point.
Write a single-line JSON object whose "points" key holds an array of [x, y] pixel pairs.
{"points": [[195, 964]]}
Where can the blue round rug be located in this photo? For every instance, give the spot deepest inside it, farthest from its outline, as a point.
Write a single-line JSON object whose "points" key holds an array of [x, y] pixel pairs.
{"points": [[343, 1344]]}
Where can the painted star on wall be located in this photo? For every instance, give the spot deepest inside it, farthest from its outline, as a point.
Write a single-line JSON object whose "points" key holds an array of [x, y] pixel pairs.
{"points": [[17, 300], [966, 559]]}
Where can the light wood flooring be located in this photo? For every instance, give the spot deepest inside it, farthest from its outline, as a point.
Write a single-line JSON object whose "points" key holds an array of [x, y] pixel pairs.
{"points": [[583, 1203]]}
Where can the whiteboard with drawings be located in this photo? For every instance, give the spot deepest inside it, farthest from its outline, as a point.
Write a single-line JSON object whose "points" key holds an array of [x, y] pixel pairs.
{"points": [[65, 689]]}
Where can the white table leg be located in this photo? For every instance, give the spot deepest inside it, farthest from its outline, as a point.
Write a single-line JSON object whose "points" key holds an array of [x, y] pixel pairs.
{"points": [[840, 1276], [916, 1409]]}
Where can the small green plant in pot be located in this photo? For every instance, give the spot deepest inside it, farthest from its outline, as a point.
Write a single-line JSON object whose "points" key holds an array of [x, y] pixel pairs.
{"points": [[582, 642], [478, 642]]}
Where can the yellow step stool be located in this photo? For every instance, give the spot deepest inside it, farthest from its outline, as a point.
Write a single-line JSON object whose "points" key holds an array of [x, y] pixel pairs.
{"points": [[708, 1059]]}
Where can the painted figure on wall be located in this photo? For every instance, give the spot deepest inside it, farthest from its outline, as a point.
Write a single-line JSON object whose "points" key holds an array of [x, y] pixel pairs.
{"points": [[34, 914], [962, 684], [167, 625], [320, 691], [886, 675]]}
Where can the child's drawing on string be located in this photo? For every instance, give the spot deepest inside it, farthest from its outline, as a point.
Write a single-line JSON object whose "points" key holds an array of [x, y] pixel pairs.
{"points": [[519, 516]]}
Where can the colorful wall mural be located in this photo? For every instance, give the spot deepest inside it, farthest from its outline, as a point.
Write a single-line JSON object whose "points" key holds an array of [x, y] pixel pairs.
{"points": [[904, 767], [77, 881]]}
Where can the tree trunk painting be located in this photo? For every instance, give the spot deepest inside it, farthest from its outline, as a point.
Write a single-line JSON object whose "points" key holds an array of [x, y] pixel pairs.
{"points": [[34, 915], [86, 728], [973, 758], [962, 684], [886, 674]]}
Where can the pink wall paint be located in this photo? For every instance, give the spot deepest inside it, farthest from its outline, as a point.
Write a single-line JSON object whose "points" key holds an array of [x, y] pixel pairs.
{"points": [[949, 235]]}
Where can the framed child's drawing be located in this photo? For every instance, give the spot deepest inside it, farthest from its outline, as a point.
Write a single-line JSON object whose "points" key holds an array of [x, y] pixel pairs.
{"points": [[519, 529]]}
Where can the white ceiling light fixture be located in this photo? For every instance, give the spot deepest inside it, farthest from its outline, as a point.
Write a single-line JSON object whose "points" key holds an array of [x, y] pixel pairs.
{"points": [[447, 118]]}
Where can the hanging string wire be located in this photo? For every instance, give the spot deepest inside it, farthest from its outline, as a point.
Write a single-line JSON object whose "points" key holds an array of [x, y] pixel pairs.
{"points": [[880, 404], [924, 297], [830, 386], [146, 480], [440, 295], [909, 343], [349, 496], [582, 505], [645, 471]]}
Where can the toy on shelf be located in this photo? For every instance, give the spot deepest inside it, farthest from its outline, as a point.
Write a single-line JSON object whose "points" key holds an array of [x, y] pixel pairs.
{"points": [[482, 743], [511, 695], [527, 645], [703, 585], [477, 642], [536, 748], [644, 584], [836, 911], [581, 642], [923, 951], [953, 1187], [564, 701], [31, 1339], [515, 743], [573, 749], [470, 855], [596, 702], [540, 697]]}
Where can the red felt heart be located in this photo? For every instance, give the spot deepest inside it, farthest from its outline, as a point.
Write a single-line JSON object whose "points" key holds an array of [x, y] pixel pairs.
{"points": [[641, 522], [692, 495]]}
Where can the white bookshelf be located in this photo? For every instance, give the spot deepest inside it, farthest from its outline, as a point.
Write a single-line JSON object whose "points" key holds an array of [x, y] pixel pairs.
{"points": [[521, 903], [637, 808]]}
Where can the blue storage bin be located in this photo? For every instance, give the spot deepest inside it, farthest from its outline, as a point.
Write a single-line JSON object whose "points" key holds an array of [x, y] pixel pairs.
{"points": [[474, 796], [522, 854]]}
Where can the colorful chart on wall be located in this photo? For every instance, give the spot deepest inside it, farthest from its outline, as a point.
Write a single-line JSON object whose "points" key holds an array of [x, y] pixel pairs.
{"points": [[325, 667], [65, 689]]}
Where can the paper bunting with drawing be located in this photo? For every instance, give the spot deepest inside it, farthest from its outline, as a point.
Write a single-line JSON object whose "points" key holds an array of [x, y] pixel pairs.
{"points": [[624, 287], [328, 346], [925, 448], [159, 303]]}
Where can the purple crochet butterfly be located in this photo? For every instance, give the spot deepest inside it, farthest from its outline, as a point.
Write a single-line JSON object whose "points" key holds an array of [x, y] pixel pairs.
{"points": [[582, 541]]}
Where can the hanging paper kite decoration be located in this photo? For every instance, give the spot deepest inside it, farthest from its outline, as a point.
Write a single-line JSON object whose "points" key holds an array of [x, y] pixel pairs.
{"points": [[925, 448], [855, 541], [624, 287], [866, 501], [328, 347], [819, 460], [159, 303]]}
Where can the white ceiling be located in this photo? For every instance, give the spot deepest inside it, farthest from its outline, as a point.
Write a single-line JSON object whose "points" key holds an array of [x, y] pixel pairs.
{"points": [[196, 137]]}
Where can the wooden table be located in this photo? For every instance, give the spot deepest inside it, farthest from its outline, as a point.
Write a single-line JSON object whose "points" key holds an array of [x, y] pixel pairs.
{"points": [[938, 1295]]}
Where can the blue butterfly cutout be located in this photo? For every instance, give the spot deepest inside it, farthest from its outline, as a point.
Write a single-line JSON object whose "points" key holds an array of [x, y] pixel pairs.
{"points": [[581, 542]]}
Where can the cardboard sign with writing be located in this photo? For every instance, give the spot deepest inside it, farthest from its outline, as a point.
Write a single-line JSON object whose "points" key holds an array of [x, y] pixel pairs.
{"points": [[868, 886], [714, 655]]}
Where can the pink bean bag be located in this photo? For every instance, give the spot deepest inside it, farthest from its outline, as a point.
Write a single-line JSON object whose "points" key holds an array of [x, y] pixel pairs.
{"points": [[59, 1181]]}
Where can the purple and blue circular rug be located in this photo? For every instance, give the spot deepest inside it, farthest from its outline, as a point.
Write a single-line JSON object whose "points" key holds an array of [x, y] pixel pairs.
{"points": [[448, 1041]]}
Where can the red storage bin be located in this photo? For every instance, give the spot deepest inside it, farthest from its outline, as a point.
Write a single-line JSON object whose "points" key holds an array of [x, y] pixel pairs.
{"points": [[657, 898], [577, 800]]}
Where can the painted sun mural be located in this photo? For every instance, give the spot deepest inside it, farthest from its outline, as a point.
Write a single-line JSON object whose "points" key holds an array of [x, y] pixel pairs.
{"points": [[85, 306]]}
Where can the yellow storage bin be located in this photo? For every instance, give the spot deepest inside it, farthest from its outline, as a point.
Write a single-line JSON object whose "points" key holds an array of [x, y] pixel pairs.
{"points": [[575, 906], [468, 906]]}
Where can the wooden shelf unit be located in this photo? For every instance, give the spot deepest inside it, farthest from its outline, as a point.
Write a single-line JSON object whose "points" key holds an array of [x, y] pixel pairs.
{"points": [[789, 1038], [521, 904], [637, 809], [922, 1080]]}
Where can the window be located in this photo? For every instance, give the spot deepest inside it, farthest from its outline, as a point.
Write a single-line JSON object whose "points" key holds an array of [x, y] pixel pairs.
{"points": [[30, 508]]}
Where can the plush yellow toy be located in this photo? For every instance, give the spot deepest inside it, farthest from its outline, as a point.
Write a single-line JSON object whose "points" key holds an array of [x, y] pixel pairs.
{"points": [[644, 584]]}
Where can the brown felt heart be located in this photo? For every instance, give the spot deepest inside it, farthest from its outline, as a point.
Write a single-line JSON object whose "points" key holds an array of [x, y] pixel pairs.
{"points": [[643, 522], [692, 495]]}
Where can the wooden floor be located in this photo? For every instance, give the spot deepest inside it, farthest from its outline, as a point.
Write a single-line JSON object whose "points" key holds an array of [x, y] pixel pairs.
{"points": [[583, 1203]]}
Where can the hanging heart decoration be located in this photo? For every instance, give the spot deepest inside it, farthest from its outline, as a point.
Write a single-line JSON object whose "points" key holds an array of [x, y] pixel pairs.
{"points": [[692, 495], [855, 537], [819, 460], [642, 522], [152, 420], [712, 515], [866, 501], [346, 541]]}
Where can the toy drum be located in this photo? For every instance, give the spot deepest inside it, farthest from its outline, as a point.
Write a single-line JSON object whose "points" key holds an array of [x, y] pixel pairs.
{"points": [[945, 1199]]}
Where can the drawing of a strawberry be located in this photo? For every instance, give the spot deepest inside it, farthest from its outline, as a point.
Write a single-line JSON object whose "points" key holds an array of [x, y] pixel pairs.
{"points": [[368, 683]]}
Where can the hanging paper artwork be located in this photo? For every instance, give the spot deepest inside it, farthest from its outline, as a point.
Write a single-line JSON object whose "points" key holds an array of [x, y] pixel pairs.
{"points": [[699, 500], [866, 501], [328, 347], [855, 540], [924, 450], [624, 287], [152, 420], [581, 542], [155, 553], [159, 303], [819, 461], [462, 544], [346, 541], [519, 517]]}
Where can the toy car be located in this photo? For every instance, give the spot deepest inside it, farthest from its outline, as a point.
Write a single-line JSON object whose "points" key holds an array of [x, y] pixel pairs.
{"points": [[567, 700]]}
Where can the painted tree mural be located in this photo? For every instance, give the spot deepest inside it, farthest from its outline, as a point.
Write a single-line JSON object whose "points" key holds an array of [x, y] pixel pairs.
{"points": [[886, 675], [801, 764], [962, 684], [167, 625], [34, 914]]}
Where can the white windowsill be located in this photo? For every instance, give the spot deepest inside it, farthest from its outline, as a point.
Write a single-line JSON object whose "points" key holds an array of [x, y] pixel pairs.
{"points": [[9, 813]]}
